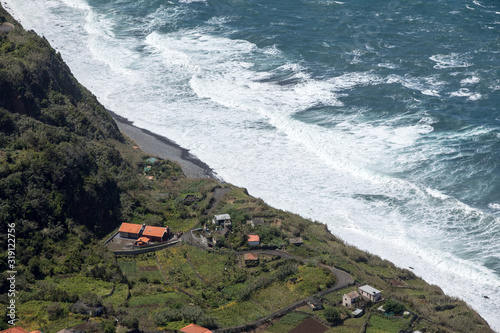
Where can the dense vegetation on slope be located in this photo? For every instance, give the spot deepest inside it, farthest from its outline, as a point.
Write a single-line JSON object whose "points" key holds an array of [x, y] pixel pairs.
{"points": [[63, 182], [68, 178]]}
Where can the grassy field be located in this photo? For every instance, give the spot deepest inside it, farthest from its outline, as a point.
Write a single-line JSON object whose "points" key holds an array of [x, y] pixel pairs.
{"points": [[238, 313], [78, 285], [382, 324], [35, 317]]}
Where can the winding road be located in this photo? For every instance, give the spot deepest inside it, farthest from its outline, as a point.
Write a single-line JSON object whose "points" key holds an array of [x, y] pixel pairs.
{"points": [[343, 280]]}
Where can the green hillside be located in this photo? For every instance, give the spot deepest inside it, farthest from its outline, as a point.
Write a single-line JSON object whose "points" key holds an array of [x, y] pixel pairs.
{"points": [[69, 178]]}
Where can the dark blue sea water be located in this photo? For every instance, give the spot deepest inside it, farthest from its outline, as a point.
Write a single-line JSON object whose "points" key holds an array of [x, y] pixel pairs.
{"points": [[379, 118]]}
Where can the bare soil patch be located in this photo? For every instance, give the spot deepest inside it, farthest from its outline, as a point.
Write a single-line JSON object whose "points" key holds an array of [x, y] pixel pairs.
{"points": [[310, 325]]}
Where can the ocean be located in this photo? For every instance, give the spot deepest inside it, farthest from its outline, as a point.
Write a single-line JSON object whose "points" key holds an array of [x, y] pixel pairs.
{"points": [[379, 118]]}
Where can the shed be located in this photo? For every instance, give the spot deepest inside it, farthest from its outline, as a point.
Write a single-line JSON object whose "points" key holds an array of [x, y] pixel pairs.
{"points": [[253, 240], [189, 199], [371, 293], [143, 241], [257, 221], [6, 27], [251, 257], [296, 241], [156, 234], [357, 313], [192, 328], [131, 230], [315, 304]]}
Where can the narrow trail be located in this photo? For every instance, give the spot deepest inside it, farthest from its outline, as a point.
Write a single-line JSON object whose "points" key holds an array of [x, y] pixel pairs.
{"points": [[343, 280]]}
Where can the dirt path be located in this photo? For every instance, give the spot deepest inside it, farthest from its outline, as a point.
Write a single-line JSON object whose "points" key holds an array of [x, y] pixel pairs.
{"points": [[218, 194], [343, 280]]}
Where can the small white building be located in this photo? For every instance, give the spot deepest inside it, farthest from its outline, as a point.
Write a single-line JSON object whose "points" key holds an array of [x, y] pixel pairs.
{"points": [[349, 299], [253, 240], [371, 293], [357, 313], [222, 219]]}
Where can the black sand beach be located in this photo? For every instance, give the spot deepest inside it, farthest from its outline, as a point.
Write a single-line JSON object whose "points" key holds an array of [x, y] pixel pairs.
{"points": [[163, 147]]}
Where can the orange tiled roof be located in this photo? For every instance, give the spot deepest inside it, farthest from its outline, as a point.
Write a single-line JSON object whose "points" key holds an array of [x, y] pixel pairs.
{"points": [[251, 256], [143, 239], [154, 231], [37, 331], [131, 228], [253, 238], [14, 330], [192, 328]]}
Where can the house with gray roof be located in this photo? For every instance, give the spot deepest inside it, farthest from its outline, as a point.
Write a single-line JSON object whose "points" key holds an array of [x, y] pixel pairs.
{"points": [[371, 293]]}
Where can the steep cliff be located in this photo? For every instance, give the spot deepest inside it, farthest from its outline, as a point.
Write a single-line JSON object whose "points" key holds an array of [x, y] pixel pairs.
{"points": [[57, 167]]}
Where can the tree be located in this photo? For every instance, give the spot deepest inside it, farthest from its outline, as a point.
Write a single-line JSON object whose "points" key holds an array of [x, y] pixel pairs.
{"points": [[392, 306], [332, 315], [54, 310], [108, 327], [130, 321]]}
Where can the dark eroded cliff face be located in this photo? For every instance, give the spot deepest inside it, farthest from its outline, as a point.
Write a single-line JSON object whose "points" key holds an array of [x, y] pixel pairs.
{"points": [[58, 170]]}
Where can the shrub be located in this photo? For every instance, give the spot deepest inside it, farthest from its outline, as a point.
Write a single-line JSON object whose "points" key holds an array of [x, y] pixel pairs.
{"points": [[392, 306], [285, 271], [332, 315], [54, 310], [130, 321], [91, 299]]}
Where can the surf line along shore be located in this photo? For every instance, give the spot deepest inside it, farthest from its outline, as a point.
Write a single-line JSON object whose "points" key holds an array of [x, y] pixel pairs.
{"points": [[155, 144]]}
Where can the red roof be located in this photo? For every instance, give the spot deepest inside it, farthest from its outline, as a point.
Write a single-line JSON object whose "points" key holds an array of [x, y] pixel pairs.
{"points": [[251, 256], [192, 328], [14, 330], [144, 240], [154, 231], [253, 238], [130, 228]]}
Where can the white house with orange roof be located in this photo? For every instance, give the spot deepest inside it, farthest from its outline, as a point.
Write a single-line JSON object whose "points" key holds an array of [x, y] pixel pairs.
{"points": [[253, 240], [155, 234], [131, 230]]}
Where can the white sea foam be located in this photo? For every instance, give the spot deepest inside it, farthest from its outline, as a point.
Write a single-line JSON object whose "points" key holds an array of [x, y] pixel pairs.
{"points": [[79, 4], [219, 20], [494, 205], [205, 92], [388, 65], [470, 80], [464, 92], [452, 60], [191, 1]]}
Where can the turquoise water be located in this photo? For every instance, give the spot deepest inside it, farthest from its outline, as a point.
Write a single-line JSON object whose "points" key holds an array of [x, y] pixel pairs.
{"points": [[379, 118]]}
